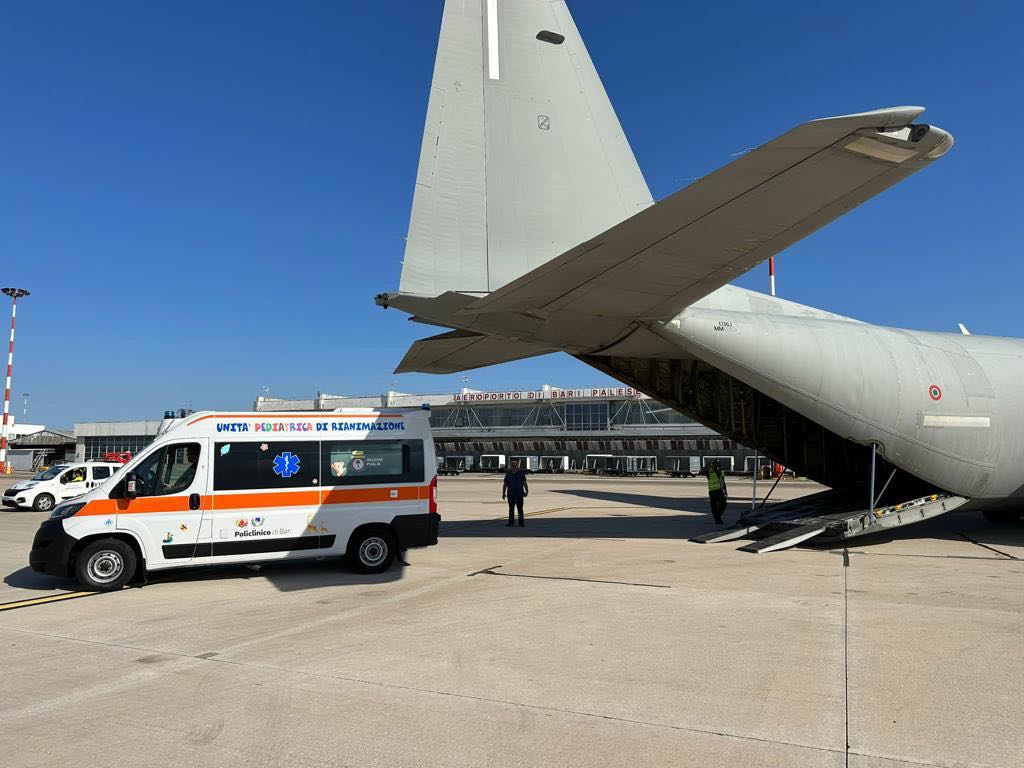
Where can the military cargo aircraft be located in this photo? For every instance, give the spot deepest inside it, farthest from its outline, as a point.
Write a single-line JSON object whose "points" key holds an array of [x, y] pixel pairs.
{"points": [[533, 231]]}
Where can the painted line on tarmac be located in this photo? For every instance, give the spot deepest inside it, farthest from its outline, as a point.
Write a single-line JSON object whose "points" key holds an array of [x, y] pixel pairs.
{"points": [[44, 600], [492, 572]]}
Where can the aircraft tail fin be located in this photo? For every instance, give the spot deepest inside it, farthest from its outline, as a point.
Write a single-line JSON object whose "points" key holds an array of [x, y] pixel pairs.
{"points": [[523, 156]]}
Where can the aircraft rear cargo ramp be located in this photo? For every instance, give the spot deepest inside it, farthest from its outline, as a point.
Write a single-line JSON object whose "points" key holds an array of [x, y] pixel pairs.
{"points": [[826, 517]]}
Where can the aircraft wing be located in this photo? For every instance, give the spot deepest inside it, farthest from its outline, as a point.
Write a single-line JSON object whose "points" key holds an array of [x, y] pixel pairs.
{"points": [[462, 351], [662, 259]]}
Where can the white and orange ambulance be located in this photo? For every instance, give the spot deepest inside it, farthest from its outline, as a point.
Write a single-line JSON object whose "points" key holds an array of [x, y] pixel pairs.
{"points": [[218, 488]]}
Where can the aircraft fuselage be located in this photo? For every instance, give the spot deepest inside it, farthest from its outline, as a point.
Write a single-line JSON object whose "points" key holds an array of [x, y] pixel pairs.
{"points": [[946, 409]]}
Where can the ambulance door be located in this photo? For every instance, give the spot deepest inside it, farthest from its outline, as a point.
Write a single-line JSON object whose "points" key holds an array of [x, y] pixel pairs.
{"points": [[167, 514], [266, 500]]}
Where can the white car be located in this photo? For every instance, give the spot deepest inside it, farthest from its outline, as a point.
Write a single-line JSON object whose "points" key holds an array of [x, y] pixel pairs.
{"points": [[58, 483]]}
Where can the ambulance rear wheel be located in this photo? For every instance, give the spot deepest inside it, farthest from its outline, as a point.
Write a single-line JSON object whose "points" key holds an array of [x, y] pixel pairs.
{"points": [[43, 503], [372, 550], [105, 565]]}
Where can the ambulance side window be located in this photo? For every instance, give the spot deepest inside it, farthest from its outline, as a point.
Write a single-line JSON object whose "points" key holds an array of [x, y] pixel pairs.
{"points": [[168, 470], [365, 462], [271, 465]]}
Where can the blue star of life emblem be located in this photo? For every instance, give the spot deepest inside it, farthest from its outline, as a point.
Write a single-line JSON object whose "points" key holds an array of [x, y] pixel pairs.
{"points": [[286, 464]]}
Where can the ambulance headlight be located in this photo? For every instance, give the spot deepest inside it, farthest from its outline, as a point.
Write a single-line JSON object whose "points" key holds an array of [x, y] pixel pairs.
{"points": [[65, 510]]}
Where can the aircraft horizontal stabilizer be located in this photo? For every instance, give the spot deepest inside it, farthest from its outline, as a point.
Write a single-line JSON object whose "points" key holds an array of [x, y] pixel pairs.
{"points": [[662, 259], [462, 350]]}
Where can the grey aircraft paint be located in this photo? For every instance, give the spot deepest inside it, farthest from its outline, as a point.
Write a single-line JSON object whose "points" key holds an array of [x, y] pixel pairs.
{"points": [[532, 231]]}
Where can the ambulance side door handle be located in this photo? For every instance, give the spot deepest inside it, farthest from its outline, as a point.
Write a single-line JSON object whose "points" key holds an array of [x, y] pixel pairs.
{"points": [[193, 501]]}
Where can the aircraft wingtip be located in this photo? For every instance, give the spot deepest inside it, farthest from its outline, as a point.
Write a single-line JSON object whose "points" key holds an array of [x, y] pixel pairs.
{"points": [[887, 117]]}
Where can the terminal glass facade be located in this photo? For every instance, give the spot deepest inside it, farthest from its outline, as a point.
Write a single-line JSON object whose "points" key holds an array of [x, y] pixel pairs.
{"points": [[570, 416], [589, 417], [97, 447]]}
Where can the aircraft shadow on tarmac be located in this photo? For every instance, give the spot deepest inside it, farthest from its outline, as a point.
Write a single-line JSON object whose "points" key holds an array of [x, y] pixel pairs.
{"points": [[290, 576], [622, 518], [619, 517]]}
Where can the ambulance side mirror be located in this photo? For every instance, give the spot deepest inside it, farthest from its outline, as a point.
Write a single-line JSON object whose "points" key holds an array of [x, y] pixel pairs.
{"points": [[132, 486]]}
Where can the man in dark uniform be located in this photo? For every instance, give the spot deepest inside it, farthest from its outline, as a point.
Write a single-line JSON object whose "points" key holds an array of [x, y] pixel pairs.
{"points": [[717, 491], [515, 489]]}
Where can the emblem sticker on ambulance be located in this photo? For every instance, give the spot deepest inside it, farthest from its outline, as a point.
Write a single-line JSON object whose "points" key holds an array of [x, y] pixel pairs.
{"points": [[286, 464], [358, 463]]}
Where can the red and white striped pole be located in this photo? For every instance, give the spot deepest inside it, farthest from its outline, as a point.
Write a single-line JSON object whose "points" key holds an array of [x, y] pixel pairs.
{"points": [[15, 294], [771, 273]]}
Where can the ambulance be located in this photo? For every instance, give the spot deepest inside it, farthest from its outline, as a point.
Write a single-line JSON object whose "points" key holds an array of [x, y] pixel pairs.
{"points": [[216, 488]]}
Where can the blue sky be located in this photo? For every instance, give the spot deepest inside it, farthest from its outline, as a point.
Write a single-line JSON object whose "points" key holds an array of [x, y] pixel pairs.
{"points": [[204, 197]]}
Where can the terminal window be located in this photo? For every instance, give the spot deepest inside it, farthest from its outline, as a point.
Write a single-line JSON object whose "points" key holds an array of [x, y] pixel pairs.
{"points": [[586, 416], [96, 447]]}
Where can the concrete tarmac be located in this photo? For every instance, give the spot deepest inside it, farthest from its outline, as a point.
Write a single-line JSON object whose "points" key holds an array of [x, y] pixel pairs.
{"points": [[595, 636]]}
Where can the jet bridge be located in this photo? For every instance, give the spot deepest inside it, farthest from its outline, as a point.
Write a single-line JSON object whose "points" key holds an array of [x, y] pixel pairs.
{"points": [[829, 516]]}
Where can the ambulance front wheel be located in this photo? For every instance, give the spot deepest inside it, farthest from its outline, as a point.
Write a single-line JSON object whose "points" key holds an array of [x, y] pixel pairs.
{"points": [[105, 565], [372, 550]]}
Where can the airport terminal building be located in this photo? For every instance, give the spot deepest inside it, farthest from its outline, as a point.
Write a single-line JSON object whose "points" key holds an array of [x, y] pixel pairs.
{"points": [[619, 428], [564, 426]]}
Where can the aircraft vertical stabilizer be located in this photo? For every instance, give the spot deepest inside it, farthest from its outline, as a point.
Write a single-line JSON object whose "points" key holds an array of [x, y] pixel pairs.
{"points": [[522, 155]]}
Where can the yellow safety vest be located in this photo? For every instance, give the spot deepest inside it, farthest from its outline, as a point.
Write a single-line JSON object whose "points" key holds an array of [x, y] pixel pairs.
{"points": [[714, 481]]}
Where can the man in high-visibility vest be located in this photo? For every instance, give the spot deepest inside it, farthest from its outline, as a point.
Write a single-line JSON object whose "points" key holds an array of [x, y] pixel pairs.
{"points": [[717, 491]]}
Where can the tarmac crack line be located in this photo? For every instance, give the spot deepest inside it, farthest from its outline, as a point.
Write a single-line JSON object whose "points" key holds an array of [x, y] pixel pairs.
{"points": [[491, 572], [986, 546]]}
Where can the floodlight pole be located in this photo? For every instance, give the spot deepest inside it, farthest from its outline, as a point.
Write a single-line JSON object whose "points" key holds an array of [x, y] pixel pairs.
{"points": [[15, 294]]}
